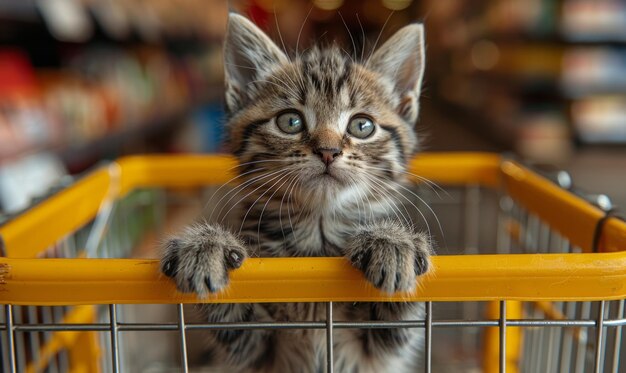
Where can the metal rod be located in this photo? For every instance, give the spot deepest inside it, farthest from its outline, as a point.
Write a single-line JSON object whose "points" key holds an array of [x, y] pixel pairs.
{"points": [[19, 340], [104, 342], [129, 327], [48, 317], [502, 328], [58, 314], [536, 343], [329, 337], [428, 337], [618, 338], [471, 240], [544, 244], [105, 212], [115, 359], [526, 349], [183, 339], [4, 345], [554, 345], [579, 367], [599, 334], [35, 343], [503, 240], [607, 312], [471, 217], [541, 357], [568, 341], [8, 315]]}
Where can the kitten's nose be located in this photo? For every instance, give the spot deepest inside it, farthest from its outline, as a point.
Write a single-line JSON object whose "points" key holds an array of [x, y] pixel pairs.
{"points": [[328, 155]]}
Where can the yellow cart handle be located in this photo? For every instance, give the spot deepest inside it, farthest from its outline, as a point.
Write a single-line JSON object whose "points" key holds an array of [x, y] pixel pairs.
{"points": [[535, 277]]}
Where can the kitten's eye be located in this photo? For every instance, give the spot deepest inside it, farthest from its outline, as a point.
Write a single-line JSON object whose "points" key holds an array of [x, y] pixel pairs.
{"points": [[361, 127], [290, 122]]}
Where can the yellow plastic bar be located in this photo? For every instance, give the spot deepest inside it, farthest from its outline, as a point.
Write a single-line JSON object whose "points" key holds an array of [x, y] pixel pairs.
{"points": [[580, 277], [458, 169], [563, 211], [41, 227], [167, 171]]}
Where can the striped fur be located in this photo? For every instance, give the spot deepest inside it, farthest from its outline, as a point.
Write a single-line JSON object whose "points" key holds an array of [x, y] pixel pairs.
{"points": [[319, 192]]}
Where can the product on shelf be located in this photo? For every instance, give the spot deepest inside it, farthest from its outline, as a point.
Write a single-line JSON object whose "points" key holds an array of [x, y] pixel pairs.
{"points": [[544, 137], [594, 20], [24, 124], [600, 119], [592, 70], [28, 178], [101, 92], [560, 64]]}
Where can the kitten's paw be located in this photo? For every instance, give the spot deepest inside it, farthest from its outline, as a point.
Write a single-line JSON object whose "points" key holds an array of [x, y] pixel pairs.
{"points": [[390, 255], [200, 258]]}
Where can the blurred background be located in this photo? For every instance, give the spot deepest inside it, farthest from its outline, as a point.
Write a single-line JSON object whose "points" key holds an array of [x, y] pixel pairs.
{"points": [[85, 81]]}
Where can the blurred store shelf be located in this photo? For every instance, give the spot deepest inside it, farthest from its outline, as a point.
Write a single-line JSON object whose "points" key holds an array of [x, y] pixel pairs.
{"points": [[87, 81], [80, 157], [534, 74]]}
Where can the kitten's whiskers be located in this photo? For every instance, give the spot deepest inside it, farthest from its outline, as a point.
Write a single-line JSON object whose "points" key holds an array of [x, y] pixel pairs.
{"points": [[225, 184], [289, 179], [362, 37], [390, 200], [279, 172], [282, 42], [289, 204], [280, 210], [353, 58], [302, 28], [428, 182], [385, 183], [425, 204], [379, 35], [280, 177], [238, 189]]}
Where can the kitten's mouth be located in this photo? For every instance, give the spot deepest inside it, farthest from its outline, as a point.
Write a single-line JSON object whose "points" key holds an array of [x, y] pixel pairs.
{"points": [[327, 176], [330, 175]]}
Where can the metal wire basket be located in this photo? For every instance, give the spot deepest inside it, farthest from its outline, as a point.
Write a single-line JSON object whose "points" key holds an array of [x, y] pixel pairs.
{"points": [[529, 277]]}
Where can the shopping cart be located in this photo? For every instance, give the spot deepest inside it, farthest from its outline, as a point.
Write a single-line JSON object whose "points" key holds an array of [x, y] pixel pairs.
{"points": [[529, 277]]}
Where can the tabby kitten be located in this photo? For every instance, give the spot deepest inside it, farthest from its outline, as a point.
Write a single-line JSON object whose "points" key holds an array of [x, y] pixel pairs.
{"points": [[322, 141]]}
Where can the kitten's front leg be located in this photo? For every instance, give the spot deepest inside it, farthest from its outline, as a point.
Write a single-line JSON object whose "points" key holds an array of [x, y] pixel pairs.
{"points": [[200, 258], [389, 255], [199, 261]]}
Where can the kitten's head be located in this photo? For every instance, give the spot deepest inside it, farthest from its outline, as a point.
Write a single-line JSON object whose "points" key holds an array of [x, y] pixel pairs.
{"points": [[322, 118]]}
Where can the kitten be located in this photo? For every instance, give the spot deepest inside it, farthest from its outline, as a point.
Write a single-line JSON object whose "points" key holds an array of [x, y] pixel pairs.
{"points": [[322, 141]]}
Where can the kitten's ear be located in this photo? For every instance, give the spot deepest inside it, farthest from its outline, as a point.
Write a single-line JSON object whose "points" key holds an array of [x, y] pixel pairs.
{"points": [[249, 55], [401, 59]]}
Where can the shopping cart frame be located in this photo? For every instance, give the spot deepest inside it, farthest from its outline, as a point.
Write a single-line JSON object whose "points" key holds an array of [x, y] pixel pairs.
{"points": [[597, 274]]}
